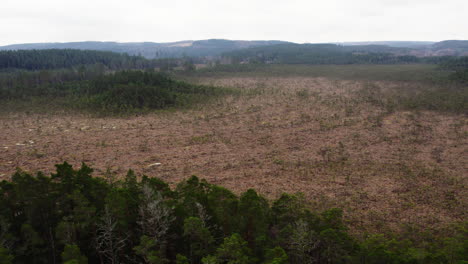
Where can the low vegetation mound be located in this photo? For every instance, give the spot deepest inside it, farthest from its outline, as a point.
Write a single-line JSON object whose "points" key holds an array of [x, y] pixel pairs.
{"points": [[459, 66], [123, 91], [136, 90]]}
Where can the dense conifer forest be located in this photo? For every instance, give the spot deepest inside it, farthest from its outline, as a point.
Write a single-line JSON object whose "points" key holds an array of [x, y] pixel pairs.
{"points": [[323, 54], [90, 89], [73, 217], [67, 58]]}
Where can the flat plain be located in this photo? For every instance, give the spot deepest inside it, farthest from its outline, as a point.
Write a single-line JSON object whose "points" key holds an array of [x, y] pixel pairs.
{"points": [[339, 141]]}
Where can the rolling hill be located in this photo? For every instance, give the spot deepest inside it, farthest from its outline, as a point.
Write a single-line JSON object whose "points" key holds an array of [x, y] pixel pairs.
{"points": [[350, 53], [216, 47], [210, 47]]}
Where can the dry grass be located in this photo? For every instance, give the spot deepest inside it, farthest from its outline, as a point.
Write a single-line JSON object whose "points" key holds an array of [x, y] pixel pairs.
{"points": [[312, 135]]}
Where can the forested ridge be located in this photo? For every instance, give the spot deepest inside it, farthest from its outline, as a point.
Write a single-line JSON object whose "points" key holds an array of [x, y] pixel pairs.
{"points": [[215, 47], [151, 50], [328, 54], [72, 217], [67, 58], [14, 61]]}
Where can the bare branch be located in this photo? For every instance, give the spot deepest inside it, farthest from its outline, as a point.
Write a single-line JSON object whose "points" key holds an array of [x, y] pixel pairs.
{"points": [[156, 217], [108, 243]]}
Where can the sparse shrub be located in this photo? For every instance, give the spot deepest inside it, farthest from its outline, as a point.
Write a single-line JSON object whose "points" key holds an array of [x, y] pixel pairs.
{"points": [[336, 154], [303, 94], [201, 139]]}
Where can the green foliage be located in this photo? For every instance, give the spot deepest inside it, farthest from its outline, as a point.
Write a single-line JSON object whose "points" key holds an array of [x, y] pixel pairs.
{"points": [[129, 90], [460, 76], [337, 245], [181, 259], [454, 63], [442, 97], [66, 58], [147, 249], [223, 204], [188, 65], [5, 257], [276, 255], [210, 260], [72, 254], [234, 250], [199, 237], [427, 73], [377, 248], [254, 220], [120, 92], [459, 67], [81, 219], [322, 54]]}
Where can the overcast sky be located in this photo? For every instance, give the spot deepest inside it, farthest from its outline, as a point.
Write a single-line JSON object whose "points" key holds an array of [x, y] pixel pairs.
{"points": [[28, 21]]}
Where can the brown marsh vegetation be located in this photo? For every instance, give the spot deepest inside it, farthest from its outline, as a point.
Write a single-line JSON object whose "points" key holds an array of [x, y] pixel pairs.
{"points": [[345, 142]]}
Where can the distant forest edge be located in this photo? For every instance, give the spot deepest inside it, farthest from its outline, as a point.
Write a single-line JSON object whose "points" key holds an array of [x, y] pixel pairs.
{"points": [[329, 54], [216, 47], [390, 53], [313, 54], [151, 50], [50, 59], [73, 217]]}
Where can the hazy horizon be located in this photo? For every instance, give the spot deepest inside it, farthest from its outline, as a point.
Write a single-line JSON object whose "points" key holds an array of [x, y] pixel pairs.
{"points": [[189, 40], [297, 21]]}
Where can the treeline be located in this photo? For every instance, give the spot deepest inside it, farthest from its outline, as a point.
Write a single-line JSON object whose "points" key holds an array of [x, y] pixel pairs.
{"points": [[325, 54], [72, 217], [459, 66], [68, 58], [59, 59], [91, 89], [26, 84]]}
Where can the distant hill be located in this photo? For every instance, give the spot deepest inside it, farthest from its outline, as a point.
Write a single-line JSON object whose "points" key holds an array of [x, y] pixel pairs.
{"points": [[449, 48], [216, 47], [351, 53], [422, 48], [396, 44], [322, 54], [211, 47]]}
